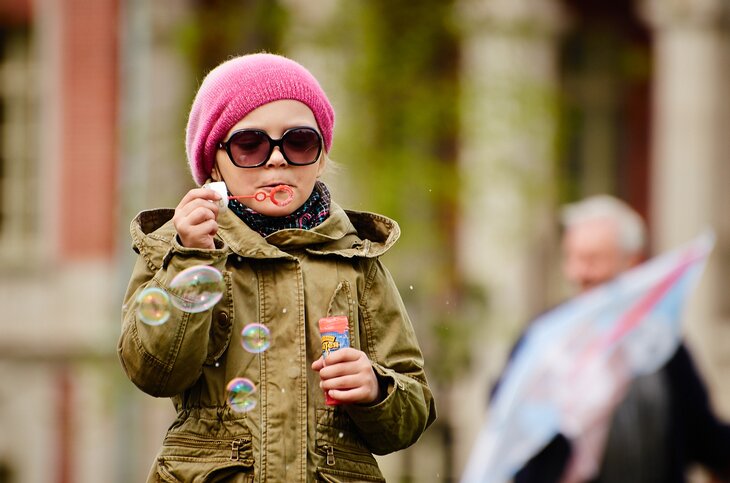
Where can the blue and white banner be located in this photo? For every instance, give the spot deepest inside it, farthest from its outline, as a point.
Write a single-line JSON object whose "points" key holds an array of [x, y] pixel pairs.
{"points": [[575, 362]]}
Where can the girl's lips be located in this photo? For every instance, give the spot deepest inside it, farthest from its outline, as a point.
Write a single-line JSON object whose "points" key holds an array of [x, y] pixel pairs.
{"points": [[273, 185]]}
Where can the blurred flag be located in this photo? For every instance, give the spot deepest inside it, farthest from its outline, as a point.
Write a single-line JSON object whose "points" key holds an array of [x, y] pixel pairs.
{"points": [[575, 361]]}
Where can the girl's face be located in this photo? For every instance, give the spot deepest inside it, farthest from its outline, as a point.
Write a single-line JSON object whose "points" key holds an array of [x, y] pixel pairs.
{"points": [[274, 118]]}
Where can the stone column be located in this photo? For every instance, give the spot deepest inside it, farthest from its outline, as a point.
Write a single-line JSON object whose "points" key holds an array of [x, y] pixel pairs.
{"points": [[690, 165], [508, 153]]}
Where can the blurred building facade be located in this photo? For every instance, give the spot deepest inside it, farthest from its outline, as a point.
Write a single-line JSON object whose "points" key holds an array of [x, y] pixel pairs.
{"points": [[558, 99], [641, 101]]}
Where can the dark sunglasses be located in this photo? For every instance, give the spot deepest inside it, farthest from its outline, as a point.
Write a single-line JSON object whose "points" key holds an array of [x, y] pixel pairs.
{"points": [[251, 148]]}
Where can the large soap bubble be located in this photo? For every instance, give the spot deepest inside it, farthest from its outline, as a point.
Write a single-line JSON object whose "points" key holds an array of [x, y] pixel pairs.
{"points": [[197, 288], [153, 306], [255, 338], [241, 394]]}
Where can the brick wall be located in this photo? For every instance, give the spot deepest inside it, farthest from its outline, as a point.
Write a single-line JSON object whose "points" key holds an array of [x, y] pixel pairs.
{"points": [[89, 107], [15, 11]]}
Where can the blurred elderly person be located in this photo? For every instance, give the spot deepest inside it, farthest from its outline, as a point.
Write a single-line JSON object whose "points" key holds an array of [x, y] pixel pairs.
{"points": [[664, 424]]}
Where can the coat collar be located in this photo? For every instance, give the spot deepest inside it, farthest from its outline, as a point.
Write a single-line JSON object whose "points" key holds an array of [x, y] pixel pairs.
{"points": [[345, 233]]}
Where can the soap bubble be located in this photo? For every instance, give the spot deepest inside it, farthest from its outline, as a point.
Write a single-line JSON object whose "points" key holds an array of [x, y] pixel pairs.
{"points": [[197, 288], [241, 394], [153, 306], [255, 338]]}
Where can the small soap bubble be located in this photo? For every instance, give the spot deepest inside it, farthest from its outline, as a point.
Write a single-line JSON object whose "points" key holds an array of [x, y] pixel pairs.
{"points": [[197, 288], [411, 287], [241, 394], [255, 338], [283, 311], [153, 306], [341, 434]]}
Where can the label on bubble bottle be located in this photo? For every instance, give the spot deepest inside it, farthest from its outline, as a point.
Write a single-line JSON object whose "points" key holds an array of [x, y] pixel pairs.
{"points": [[335, 335]]}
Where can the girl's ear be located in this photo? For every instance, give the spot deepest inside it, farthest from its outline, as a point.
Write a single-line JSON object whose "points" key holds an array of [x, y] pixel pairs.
{"points": [[322, 164], [215, 175]]}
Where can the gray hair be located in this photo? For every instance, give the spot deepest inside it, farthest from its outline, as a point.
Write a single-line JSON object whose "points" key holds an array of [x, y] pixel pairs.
{"points": [[632, 229]]}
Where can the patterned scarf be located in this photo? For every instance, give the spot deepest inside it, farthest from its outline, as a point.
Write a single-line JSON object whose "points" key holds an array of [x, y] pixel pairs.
{"points": [[313, 212]]}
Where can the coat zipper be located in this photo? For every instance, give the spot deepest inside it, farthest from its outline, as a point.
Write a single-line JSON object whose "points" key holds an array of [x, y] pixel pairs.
{"points": [[236, 444], [235, 449], [349, 453], [330, 450]]}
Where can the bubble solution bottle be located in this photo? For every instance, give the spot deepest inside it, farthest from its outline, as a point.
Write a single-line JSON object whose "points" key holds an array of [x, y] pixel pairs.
{"points": [[335, 335]]}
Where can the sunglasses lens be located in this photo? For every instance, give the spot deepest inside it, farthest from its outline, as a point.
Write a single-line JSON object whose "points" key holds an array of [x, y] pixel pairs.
{"points": [[302, 146], [249, 148]]}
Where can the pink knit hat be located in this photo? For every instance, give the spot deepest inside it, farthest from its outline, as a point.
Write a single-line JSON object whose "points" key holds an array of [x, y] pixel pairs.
{"points": [[240, 85]]}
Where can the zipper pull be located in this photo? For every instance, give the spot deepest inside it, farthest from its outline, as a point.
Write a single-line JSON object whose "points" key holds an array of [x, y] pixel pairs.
{"points": [[330, 455], [235, 446]]}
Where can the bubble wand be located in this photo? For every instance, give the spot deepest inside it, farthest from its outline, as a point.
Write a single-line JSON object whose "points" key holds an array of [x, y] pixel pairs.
{"points": [[280, 195]]}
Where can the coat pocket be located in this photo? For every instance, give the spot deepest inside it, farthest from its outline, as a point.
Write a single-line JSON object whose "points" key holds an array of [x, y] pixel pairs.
{"points": [[344, 456], [190, 458], [343, 303], [335, 476], [221, 324], [345, 464]]}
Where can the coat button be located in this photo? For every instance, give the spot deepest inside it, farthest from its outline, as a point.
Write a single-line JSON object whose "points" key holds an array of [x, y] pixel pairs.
{"points": [[222, 319]]}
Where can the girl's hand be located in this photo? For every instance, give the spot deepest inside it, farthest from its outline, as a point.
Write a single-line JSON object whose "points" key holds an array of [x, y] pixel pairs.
{"points": [[195, 218], [347, 375]]}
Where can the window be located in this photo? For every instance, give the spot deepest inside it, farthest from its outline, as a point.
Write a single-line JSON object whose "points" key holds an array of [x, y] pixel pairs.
{"points": [[606, 69], [19, 206]]}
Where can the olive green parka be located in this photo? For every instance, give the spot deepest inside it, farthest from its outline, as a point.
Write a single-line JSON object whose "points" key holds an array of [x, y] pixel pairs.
{"points": [[287, 281]]}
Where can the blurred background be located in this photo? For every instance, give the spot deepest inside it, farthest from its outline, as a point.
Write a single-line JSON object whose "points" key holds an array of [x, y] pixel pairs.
{"points": [[468, 121]]}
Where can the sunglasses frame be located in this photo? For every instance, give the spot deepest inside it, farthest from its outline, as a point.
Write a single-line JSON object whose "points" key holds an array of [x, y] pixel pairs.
{"points": [[226, 145]]}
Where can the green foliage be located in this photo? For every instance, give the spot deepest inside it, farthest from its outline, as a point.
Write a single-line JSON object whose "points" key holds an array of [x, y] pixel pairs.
{"points": [[454, 327], [403, 82], [220, 29], [400, 144]]}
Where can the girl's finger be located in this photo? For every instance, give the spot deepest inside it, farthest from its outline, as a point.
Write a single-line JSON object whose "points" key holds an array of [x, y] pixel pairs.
{"points": [[197, 203], [199, 193], [200, 214]]}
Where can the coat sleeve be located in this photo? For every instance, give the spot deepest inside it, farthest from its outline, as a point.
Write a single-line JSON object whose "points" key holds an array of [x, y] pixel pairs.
{"points": [[167, 359], [388, 338]]}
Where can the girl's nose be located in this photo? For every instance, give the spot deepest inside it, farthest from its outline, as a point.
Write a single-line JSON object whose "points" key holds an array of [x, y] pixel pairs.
{"points": [[276, 158]]}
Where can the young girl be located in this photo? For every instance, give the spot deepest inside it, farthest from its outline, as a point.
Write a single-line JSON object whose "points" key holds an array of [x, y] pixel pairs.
{"points": [[261, 123]]}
